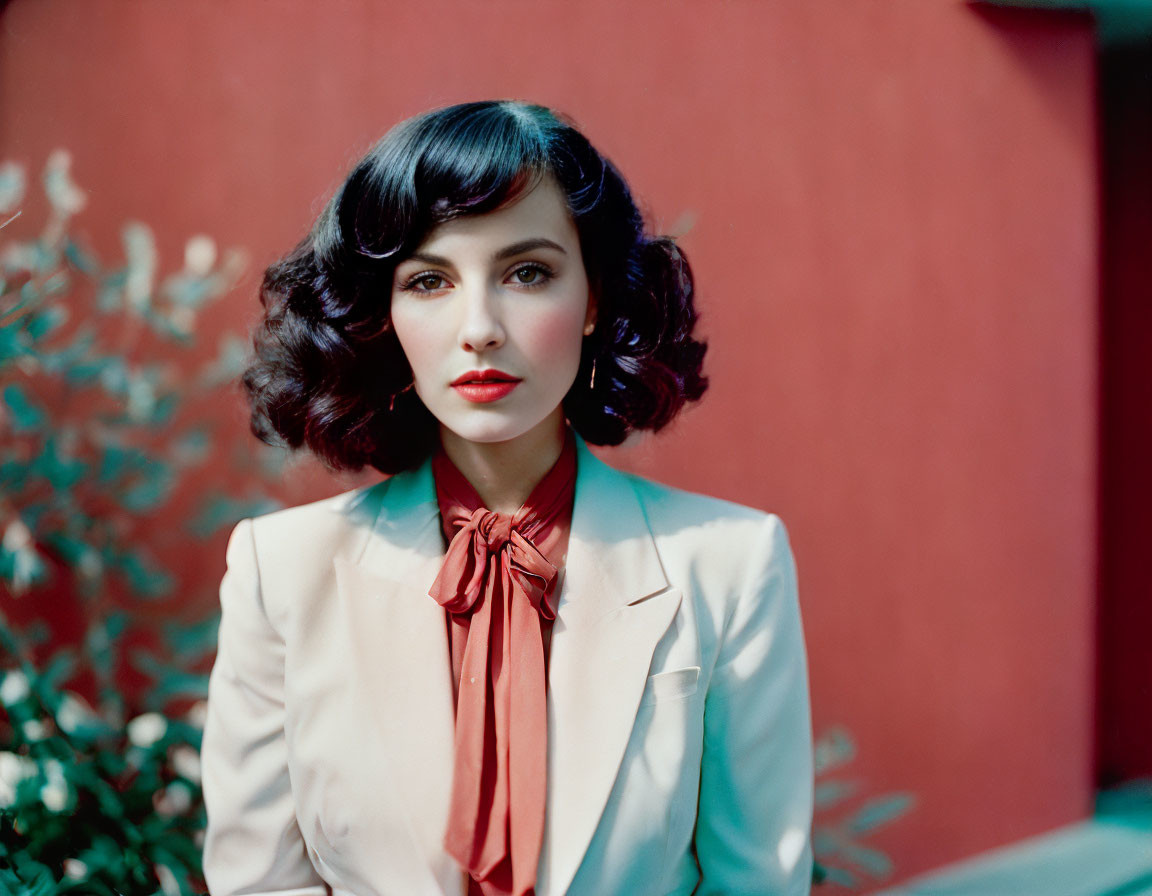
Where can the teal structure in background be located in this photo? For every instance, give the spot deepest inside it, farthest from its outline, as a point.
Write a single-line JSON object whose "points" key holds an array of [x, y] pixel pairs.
{"points": [[1117, 21], [1109, 854]]}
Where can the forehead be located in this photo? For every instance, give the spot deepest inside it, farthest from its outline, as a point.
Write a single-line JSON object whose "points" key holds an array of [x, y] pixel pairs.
{"points": [[541, 212]]}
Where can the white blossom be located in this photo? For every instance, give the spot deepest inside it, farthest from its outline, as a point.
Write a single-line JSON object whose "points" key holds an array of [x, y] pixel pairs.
{"points": [[12, 184], [200, 255], [145, 730], [15, 687], [17, 536], [11, 773], [34, 729], [65, 196], [13, 769], [198, 714], [175, 799], [54, 792], [54, 796], [168, 883], [140, 251], [186, 762], [71, 713], [90, 565], [75, 869]]}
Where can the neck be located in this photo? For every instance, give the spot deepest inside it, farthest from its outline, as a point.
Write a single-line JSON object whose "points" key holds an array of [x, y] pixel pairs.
{"points": [[504, 473]]}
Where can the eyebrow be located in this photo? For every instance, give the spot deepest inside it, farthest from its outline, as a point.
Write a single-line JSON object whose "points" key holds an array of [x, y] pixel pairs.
{"points": [[507, 252]]}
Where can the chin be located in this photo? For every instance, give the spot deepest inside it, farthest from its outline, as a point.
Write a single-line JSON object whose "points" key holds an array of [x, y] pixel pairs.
{"points": [[487, 427], [488, 432]]}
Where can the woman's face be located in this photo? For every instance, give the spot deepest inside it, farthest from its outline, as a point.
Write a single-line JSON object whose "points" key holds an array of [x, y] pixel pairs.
{"points": [[491, 311]]}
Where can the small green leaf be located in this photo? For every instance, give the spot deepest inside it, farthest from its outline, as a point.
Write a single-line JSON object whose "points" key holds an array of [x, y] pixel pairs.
{"points": [[152, 488], [190, 642], [829, 793], [833, 749], [22, 567], [114, 376], [192, 447], [219, 512], [81, 259], [163, 408], [24, 413], [168, 682], [13, 474], [41, 323], [60, 668], [876, 863], [232, 357], [879, 812], [143, 575], [116, 461], [60, 469], [839, 876]]}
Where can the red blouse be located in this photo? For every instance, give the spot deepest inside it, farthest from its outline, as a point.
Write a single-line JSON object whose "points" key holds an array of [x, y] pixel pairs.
{"points": [[498, 586]]}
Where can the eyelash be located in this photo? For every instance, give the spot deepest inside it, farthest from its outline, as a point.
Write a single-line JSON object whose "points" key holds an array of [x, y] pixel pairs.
{"points": [[411, 284]]}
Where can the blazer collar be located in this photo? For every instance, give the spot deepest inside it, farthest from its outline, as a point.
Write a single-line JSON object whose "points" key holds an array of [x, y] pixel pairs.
{"points": [[615, 605], [611, 561]]}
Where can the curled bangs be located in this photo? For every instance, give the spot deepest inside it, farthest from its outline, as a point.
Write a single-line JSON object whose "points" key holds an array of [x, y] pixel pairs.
{"points": [[468, 160]]}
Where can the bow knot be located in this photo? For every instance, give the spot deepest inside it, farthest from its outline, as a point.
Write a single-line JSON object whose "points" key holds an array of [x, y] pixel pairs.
{"points": [[481, 537], [495, 528]]}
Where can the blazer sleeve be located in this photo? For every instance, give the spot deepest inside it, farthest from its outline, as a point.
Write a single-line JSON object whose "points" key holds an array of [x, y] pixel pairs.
{"points": [[753, 832], [252, 844]]}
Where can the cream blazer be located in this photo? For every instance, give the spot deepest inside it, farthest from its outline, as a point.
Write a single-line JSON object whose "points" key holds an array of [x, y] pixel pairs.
{"points": [[679, 740]]}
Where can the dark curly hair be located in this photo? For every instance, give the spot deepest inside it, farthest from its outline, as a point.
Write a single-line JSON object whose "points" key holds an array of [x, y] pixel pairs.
{"points": [[329, 372]]}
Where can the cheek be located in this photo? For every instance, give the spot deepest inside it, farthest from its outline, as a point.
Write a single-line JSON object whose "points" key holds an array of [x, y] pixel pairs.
{"points": [[418, 342], [558, 335]]}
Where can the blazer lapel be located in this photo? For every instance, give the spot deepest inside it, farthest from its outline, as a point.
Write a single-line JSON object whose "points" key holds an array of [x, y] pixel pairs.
{"points": [[615, 605], [405, 656]]}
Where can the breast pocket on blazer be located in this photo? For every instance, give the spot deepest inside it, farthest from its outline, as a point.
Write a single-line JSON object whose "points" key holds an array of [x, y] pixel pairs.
{"points": [[675, 684]]}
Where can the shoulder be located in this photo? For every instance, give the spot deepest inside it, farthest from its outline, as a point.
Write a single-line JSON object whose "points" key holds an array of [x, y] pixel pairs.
{"points": [[670, 510], [285, 556], [709, 539], [328, 527]]}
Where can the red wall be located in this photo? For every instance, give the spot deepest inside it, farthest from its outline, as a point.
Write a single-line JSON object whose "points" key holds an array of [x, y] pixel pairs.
{"points": [[890, 206]]}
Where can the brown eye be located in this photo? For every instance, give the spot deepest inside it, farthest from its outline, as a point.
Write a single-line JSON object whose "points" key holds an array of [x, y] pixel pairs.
{"points": [[426, 282], [531, 275]]}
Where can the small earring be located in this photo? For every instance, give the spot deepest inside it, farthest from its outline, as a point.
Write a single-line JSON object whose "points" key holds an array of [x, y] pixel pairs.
{"points": [[588, 329]]}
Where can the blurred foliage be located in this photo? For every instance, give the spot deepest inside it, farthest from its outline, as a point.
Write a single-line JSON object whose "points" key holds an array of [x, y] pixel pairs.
{"points": [[841, 857], [90, 806], [93, 444]]}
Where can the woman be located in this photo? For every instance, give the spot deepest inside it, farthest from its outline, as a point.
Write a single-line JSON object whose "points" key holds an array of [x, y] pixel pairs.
{"points": [[508, 668]]}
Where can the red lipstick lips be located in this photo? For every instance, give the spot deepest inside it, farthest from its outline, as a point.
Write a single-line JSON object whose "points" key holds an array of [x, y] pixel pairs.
{"points": [[482, 386]]}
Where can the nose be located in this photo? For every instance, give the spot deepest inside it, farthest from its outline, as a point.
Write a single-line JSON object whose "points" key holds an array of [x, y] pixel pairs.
{"points": [[481, 327]]}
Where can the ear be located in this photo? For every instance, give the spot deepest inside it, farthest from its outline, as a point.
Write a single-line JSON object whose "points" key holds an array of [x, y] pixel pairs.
{"points": [[593, 308]]}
